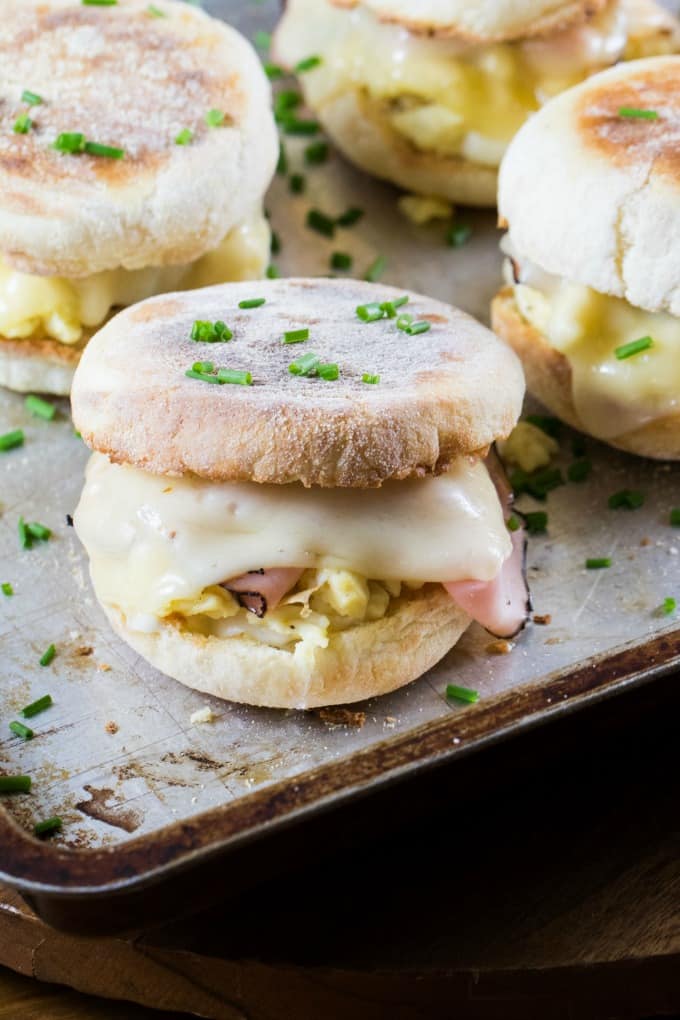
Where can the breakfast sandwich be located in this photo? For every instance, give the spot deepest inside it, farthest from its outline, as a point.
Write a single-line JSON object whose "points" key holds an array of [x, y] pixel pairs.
{"points": [[428, 93], [590, 190], [136, 143], [293, 500]]}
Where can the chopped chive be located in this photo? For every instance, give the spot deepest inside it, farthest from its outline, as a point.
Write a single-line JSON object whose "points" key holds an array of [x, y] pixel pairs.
{"points": [[538, 484], [675, 517], [376, 269], [24, 537], [210, 332], [11, 440], [628, 499], [634, 112], [48, 655], [273, 71], [185, 137], [579, 470], [293, 125], [272, 272], [668, 606], [418, 327], [341, 260], [372, 380], [370, 312], [109, 151], [99, 3], [69, 141], [215, 118], [282, 165], [350, 217], [305, 365], [203, 366], [263, 40], [308, 64], [25, 732], [22, 125], [296, 336], [235, 376], [30, 532], [328, 371], [286, 101], [15, 784], [297, 184], [275, 246], [7, 589], [462, 694], [578, 446], [155, 12], [551, 426], [458, 235], [255, 302], [39, 407], [316, 153], [390, 307], [38, 706], [48, 827], [536, 522], [598, 564], [316, 220], [514, 523], [31, 98], [203, 376], [634, 347], [404, 321]]}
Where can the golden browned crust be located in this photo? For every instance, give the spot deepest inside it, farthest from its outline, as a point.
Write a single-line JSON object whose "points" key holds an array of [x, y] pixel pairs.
{"points": [[442, 394], [359, 663], [549, 378], [124, 78]]}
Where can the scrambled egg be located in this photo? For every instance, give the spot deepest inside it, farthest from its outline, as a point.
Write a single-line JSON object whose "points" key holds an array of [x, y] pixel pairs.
{"points": [[528, 447]]}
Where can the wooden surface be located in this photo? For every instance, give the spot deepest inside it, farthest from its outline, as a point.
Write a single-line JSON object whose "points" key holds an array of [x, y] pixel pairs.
{"points": [[540, 879]]}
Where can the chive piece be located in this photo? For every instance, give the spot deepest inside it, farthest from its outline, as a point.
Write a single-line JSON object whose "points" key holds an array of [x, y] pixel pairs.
{"points": [[215, 118], [316, 153], [203, 366], [48, 655], [235, 376], [539, 484], [390, 307], [31, 98], [297, 184], [255, 302], [305, 365], [418, 327], [155, 12], [668, 606], [22, 125], [316, 220], [69, 141], [262, 39], [299, 126], [39, 407], [296, 336], [370, 312], [579, 470], [308, 64], [598, 564], [11, 440], [38, 531], [273, 71], [48, 827], [275, 246], [108, 151], [286, 101], [24, 537], [634, 113], [25, 732], [185, 137], [341, 260], [7, 589], [372, 380], [376, 269], [578, 446], [99, 3], [210, 332], [36, 707], [458, 235], [537, 522], [350, 217], [404, 321], [282, 165], [628, 499], [328, 371], [514, 523], [203, 376], [462, 694], [634, 347], [272, 272], [675, 517], [551, 426], [15, 784]]}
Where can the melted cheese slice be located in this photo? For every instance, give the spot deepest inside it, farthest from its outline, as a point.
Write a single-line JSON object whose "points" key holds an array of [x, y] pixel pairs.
{"points": [[60, 308], [611, 396], [445, 96], [154, 541]]}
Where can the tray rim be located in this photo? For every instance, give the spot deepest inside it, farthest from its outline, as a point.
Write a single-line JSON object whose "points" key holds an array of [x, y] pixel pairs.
{"points": [[39, 868]]}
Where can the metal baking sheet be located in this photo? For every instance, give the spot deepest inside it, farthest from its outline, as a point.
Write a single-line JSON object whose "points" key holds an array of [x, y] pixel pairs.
{"points": [[117, 757]]}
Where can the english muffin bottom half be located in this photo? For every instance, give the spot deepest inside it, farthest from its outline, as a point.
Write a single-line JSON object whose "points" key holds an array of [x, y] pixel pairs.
{"points": [[590, 190], [292, 501], [428, 95], [136, 143]]}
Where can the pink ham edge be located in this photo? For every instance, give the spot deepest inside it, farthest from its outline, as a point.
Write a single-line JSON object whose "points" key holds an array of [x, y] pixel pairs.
{"points": [[501, 605], [270, 585]]}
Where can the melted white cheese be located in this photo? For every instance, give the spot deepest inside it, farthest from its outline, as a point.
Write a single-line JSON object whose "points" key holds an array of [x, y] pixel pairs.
{"points": [[153, 541], [60, 308]]}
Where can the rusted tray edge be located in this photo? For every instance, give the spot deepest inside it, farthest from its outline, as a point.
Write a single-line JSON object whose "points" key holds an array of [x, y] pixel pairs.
{"points": [[31, 866]]}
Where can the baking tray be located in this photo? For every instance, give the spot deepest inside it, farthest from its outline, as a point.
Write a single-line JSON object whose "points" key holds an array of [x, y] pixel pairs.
{"points": [[152, 797]]}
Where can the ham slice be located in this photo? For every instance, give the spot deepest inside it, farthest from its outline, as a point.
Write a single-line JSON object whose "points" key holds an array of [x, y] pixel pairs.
{"points": [[260, 590]]}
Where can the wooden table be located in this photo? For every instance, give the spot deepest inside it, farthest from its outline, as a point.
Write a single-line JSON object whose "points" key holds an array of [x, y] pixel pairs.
{"points": [[538, 879]]}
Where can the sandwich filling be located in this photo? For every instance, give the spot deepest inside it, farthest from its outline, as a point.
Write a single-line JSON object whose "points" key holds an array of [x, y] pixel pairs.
{"points": [[453, 99], [34, 306], [625, 361], [290, 566]]}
